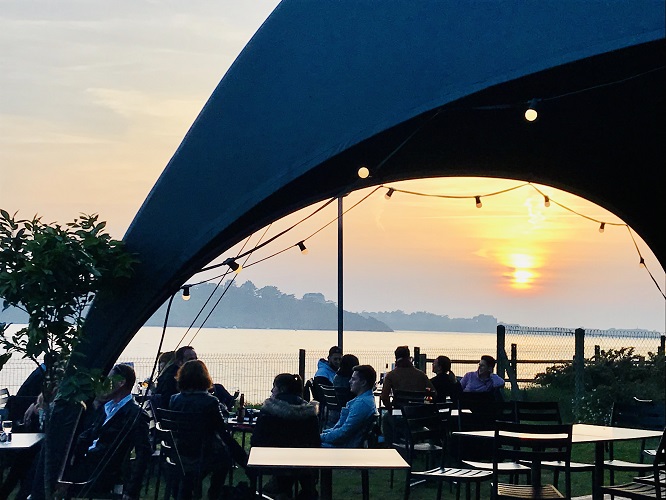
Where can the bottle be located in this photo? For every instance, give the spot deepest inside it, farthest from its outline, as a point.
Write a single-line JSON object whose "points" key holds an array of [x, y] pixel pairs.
{"points": [[240, 415]]}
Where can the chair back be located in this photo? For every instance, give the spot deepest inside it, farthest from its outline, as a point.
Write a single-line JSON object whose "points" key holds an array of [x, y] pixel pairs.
{"points": [[476, 411], [639, 414], [185, 435], [538, 412], [424, 424], [402, 398], [533, 443], [371, 432]]}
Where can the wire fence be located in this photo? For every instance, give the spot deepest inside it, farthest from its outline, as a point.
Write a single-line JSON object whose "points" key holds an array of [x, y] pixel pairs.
{"points": [[252, 374]]}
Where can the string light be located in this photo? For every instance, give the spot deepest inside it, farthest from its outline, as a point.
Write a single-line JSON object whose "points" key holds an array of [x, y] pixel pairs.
{"points": [[235, 266], [531, 111], [389, 193], [186, 293], [302, 247], [642, 262], [363, 172], [602, 226], [478, 202], [546, 201]]}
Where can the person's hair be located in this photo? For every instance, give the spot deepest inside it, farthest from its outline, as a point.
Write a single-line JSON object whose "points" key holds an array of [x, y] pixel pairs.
{"points": [[402, 351], [193, 376], [489, 360], [444, 363], [290, 383], [180, 353], [367, 373], [166, 357], [127, 373], [334, 350], [347, 364]]}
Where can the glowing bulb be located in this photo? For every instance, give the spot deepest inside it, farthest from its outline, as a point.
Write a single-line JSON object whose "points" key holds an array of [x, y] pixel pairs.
{"points": [[546, 201], [602, 227], [531, 112], [235, 266], [642, 262], [186, 293], [478, 202], [302, 248], [389, 193], [363, 172]]}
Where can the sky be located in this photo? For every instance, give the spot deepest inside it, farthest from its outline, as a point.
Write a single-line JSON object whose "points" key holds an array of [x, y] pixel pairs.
{"points": [[95, 97]]}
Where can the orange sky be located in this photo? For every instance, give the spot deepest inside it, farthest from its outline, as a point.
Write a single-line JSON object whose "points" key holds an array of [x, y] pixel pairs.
{"points": [[95, 100]]}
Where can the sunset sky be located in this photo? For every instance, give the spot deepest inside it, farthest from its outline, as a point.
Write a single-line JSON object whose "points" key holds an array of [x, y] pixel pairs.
{"points": [[96, 97]]}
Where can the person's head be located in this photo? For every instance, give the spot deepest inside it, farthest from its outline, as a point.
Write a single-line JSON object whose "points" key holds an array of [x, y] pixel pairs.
{"points": [[402, 352], [193, 376], [165, 359], [123, 379], [442, 364], [334, 357], [347, 364], [486, 365], [185, 354], [363, 379], [288, 383]]}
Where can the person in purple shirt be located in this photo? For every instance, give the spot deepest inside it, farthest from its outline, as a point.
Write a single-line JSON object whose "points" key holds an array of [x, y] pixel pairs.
{"points": [[483, 379]]}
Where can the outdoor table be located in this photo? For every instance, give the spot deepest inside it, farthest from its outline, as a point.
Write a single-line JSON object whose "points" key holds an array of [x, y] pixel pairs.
{"points": [[22, 441], [587, 433], [327, 459], [244, 427]]}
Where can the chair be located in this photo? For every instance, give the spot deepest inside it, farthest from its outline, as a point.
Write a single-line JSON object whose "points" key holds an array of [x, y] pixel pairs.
{"points": [[4, 397], [427, 433], [329, 411], [547, 412], [533, 443], [402, 398], [639, 415], [653, 486]]}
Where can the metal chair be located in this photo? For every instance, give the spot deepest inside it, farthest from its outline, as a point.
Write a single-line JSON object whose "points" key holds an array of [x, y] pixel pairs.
{"points": [[637, 414], [329, 411], [427, 433], [533, 443], [653, 486]]}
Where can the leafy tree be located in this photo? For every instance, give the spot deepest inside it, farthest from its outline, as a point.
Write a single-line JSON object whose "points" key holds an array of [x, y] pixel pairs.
{"points": [[53, 272]]}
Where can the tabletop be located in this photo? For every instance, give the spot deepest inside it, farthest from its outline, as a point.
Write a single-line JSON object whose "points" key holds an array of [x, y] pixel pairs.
{"points": [[22, 440], [333, 458], [587, 433]]}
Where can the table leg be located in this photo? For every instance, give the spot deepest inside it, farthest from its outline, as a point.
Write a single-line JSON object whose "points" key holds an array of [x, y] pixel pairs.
{"points": [[598, 474], [326, 484], [365, 484]]}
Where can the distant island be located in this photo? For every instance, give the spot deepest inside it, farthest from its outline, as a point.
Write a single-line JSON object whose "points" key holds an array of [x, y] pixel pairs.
{"points": [[246, 306]]}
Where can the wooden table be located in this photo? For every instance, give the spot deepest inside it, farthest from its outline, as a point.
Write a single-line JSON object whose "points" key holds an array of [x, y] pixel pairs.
{"points": [[325, 460], [22, 441], [597, 434]]}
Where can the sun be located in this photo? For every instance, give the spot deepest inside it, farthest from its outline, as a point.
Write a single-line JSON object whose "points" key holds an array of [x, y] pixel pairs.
{"points": [[523, 275]]}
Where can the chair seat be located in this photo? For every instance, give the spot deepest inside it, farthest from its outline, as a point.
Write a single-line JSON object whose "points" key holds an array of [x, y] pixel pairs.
{"points": [[574, 466], [503, 467], [624, 465], [455, 474], [527, 491], [633, 490], [650, 479], [650, 453]]}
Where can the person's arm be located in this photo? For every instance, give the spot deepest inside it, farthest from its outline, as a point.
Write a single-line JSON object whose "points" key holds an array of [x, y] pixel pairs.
{"points": [[464, 381], [356, 419], [497, 380], [385, 396]]}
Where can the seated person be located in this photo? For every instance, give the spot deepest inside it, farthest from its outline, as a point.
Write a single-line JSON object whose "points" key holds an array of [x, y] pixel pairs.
{"points": [[354, 417], [342, 378], [444, 381], [404, 377], [225, 398], [119, 426], [483, 379], [166, 381], [288, 421], [194, 382]]}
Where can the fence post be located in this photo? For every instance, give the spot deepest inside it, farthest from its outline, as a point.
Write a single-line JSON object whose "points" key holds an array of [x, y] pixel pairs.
{"points": [[514, 358], [579, 370], [662, 345], [301, 363], [417, 358], [501, 343], [597, 353]]}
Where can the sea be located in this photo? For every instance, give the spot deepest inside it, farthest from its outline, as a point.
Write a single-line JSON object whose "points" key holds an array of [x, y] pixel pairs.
{"points": [[248, 359]]}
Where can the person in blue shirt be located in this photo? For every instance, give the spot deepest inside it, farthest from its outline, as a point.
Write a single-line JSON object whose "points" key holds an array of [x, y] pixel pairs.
{"points": [[354, 417], [327, 368]]}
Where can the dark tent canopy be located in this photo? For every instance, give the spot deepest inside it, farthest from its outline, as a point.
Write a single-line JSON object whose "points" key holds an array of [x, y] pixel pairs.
{"points": [[410, 89]]}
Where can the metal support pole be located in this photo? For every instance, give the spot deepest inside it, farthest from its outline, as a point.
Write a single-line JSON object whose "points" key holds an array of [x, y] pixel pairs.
{"points": [[301, 363], [340, 276], [579, 370], [501, 345]]}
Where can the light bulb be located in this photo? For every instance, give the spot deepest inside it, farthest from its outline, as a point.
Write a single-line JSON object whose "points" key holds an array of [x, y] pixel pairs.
{"points": [[546, 201], [602, 226], [642, 262], [478, 202], [363, 172], [531, 112], [186, 293], [302, 248], [389, 193], [235, 266]]}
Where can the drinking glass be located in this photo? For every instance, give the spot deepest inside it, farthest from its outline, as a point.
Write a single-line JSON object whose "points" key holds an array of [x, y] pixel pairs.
{"points": [[7, 426]]}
